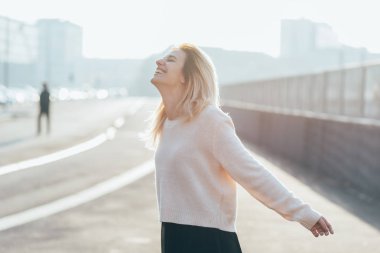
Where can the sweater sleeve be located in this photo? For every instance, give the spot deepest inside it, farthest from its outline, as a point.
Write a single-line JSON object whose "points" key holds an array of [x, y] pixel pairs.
{"points": [[255, 178]]}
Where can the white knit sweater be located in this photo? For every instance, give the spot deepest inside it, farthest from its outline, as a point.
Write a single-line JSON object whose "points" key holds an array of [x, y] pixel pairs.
{"points": [[197, 164]]}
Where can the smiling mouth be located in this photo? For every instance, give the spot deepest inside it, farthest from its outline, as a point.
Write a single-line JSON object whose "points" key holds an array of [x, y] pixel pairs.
{"points": [[159, 72]]}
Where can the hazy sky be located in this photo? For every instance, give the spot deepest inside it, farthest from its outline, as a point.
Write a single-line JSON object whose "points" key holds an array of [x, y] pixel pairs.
{"points": [[138, 28]]}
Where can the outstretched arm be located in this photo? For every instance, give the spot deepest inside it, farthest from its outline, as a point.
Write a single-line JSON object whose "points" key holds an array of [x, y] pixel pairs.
{"points": [[261, 183]]}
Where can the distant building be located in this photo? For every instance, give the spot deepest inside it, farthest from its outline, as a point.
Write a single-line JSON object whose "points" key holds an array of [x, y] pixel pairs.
{"points": [[299, 37], [60, 52], [18, 53]]}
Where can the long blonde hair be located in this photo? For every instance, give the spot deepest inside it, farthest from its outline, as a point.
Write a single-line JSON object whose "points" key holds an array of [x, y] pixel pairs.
{"points": [[201, 89]]}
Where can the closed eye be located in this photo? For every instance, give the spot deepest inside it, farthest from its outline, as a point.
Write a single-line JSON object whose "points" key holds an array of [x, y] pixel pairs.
{"points": [[170, 58]]}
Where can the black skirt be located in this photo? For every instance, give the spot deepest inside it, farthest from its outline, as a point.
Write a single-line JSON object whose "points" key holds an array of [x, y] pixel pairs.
{"points": [[177, 238]]}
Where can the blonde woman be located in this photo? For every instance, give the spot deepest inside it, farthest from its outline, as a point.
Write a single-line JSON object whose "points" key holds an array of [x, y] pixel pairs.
{"points": [[199, 158]]}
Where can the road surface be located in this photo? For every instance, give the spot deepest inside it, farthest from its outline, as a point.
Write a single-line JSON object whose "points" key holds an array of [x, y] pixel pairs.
{"points": [[125, 219]]}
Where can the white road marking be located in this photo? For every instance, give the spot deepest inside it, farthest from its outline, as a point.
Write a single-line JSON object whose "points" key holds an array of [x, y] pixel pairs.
{"points": [[77, 199], [94, 142], [54, 156]]}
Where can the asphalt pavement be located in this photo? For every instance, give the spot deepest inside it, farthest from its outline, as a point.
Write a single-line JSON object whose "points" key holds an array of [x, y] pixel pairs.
{"points": [[126, 218]]}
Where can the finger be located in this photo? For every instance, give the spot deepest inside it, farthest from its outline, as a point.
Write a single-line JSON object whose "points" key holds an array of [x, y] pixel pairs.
{"points": [[329, 226], [324, 226], [318, 228], [321, 232]]}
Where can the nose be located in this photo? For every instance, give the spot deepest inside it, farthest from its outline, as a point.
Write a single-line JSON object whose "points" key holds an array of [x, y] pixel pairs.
{"points": [[160, 62]]}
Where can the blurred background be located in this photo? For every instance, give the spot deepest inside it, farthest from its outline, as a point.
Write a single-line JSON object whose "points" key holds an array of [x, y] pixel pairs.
{"points": [[79, 47], [301, 80]]}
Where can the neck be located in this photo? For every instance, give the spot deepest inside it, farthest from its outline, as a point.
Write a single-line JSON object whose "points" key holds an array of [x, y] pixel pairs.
{"points": [[171, 98]]}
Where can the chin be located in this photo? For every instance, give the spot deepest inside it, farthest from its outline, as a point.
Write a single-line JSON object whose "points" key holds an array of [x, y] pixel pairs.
{"points": [[154, 81]]}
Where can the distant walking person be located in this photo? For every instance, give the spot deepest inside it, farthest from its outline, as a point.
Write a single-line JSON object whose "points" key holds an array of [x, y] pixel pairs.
{"points": [[44, 108], [199, 158]]}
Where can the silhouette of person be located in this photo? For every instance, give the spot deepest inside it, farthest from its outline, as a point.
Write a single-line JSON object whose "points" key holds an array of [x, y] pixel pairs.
{"points": [[44, 108]]}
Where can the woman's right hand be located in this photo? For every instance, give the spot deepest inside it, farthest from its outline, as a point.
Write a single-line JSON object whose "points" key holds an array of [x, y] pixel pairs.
{"points": [[322, 227]]}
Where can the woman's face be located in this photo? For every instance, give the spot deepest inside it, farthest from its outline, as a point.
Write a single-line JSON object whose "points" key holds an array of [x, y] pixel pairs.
{"points": [[169, 70]]}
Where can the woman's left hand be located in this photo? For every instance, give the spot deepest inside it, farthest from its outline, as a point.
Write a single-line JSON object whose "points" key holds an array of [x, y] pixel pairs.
{"points": [[322, 227]]}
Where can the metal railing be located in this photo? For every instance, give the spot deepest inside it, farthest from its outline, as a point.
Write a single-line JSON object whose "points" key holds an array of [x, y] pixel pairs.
{"points": [[352, 91]]}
